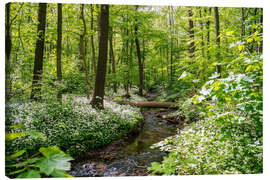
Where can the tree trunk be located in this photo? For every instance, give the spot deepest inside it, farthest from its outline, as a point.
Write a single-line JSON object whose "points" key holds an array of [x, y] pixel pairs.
{"points": [[150, 104], [98, 94], [201, 27], [112, 59], [243, 32], [83, 53], [260, 48], [171, 26], [139, 56], [218, 67], [59, 49], [208, 33], [92, 44], [191, 33], [8, 46], [38, 64]]}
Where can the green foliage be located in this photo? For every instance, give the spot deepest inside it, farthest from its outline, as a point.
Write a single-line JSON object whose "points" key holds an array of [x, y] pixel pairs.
{"points": [[51, 161], [227, 138], [74, 126]]}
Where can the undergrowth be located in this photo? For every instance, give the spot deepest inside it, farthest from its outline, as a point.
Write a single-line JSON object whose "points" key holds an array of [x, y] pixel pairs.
{"points": [[73, 126], [224, 134]]}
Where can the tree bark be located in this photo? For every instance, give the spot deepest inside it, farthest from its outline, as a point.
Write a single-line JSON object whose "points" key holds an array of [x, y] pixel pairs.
{"points": [[83, 53], [112, 59], [139, 56], [8, 46], [38, 64], [59, 50], [150, 104], [243, 32], [260, 46], [171, 52], [98, 94], [191, 33], [208, 33], [92, 44], [201, 27], [218, 67]]}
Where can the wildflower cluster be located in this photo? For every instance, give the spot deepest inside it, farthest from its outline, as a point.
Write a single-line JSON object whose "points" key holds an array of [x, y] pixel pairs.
{"points": [[226, 137], [74, 126]]}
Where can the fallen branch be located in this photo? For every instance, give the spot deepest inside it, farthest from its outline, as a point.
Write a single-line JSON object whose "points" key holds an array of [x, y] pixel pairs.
{"points": [[150, 104]]}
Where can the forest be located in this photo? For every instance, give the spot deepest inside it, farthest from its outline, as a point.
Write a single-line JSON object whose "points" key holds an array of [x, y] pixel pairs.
{"points": [[132, 90]]}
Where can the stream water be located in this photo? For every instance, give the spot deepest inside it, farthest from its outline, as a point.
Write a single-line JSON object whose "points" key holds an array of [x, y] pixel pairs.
{"points": [[129, 156]]}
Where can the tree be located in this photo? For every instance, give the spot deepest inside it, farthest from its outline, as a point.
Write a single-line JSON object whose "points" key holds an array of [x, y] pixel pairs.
{"points": [[112, 58], [218, 67], [208, 33], [82, 51], [7, 53], [59, 50], [243, 31], [92, 43], [38, 64], [98, 94], [139, 55], [191, 33]]}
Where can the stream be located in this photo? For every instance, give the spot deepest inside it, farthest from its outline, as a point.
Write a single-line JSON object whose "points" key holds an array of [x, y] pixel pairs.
{"points": [[130, 156]]}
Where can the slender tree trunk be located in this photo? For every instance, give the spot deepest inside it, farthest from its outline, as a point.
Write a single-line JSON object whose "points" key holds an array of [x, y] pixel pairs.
{"points": [[208, 33], [243, 32], [8, 46], [171, 26], [139, 56], [201, 27], [98, 94], [92, 44], [83, 53], [59, 50], [218, 67], [143, 62], [38, 64], [260, 48], [112, 59], [191, 33]]}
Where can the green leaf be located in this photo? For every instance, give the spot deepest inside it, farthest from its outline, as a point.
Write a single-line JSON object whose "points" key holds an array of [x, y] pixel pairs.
{"points": [[12, 136], [54, 159], [17, 154], [60, 173], [18, 171], [36, 135], [30, 174], [18, 126], [24, 163]]}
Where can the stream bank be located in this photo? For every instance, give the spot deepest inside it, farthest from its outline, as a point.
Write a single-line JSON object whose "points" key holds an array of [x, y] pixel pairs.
{"points": [[130, 156]]}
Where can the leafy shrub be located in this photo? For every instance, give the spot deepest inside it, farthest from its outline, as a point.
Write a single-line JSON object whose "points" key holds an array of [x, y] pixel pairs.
{"points": [[74, 127], [228, 137], [49, 161]]}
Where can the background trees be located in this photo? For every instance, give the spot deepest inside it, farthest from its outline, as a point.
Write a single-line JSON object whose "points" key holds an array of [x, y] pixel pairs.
{"points": [[148, 47]]}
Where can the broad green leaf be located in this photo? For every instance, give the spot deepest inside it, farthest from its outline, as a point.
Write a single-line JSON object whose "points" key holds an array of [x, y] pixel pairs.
{"points": [[12, 136], [54, 159], [17, 154], [30, 174]]}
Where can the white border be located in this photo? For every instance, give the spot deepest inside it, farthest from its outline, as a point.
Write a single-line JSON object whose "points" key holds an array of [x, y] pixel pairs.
{"points": [[223, 3]]}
